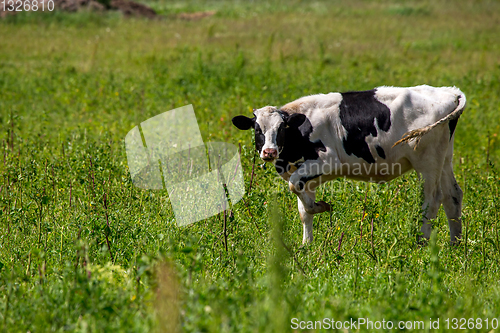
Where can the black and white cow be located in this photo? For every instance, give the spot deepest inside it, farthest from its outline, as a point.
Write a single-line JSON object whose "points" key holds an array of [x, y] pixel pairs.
{"points": [[357, 135]]}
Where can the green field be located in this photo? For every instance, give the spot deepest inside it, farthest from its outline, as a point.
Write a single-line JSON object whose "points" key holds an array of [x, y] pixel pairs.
{"points": [[73, 84]]}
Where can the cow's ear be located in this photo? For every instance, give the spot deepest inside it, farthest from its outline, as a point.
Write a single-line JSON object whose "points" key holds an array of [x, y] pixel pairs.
{"points": [[295, 120], [243, 123]]}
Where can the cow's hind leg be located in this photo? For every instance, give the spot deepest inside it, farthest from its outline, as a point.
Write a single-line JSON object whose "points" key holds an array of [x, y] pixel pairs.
{"points": [[432, 194], [432, 201], [452, 199], [429, 161]]}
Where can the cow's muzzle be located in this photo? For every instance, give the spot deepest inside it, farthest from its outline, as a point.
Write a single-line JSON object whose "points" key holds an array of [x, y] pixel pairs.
{"points": [[269, 154]]}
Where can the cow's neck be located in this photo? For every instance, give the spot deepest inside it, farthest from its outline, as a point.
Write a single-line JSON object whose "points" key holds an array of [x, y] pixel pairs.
{"points": [[298, 148]]}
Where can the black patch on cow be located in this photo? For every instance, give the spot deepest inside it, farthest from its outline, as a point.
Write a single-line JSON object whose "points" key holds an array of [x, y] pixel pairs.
{"points": [[297, 145], [380, 151], [452, 125], [280, 136], [455, 200], [260, 139], [358, 111], [243, 123]]}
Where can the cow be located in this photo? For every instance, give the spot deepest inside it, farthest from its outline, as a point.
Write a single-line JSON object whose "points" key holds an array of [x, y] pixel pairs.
{"points": [[374, 135]]}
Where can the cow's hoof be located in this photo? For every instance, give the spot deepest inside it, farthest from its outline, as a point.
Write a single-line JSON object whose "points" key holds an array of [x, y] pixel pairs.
{"points": [[325, 207], [305, 243], [422, 241]]}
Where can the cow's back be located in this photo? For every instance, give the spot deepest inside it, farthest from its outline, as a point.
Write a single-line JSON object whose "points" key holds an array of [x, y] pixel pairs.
{"points": [[416, 107], [362, 127]]}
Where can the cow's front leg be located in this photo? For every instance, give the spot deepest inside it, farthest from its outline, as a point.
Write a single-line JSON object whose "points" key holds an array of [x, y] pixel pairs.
{"points": [[308, 201], [303, 182], [307, 219]]}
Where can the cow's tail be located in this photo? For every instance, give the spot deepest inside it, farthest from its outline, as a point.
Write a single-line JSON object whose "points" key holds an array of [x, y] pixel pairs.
{"points": [[417, 134]]}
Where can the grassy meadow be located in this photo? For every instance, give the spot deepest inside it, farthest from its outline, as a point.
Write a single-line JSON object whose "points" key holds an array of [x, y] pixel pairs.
{"points": [[83, 250]]}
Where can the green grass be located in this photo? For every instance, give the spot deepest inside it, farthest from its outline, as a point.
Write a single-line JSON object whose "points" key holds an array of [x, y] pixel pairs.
{"points": [[73, 85]]}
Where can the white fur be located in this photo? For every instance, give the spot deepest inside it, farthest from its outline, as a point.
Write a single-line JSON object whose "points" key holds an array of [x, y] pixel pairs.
{"points": [[269, 121]]}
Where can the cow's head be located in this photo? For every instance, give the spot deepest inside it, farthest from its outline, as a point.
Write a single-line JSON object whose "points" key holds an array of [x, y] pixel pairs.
{"points": [[270, 125]]}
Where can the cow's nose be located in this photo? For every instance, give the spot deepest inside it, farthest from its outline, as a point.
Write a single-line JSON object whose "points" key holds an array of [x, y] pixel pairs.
{"points": [[270, 153]]}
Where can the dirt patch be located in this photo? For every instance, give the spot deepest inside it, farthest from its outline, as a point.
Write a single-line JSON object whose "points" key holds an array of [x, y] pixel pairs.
{"points": [[5, 13], [131, 8], [196, 15], [128, 8], [74, 5]]}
